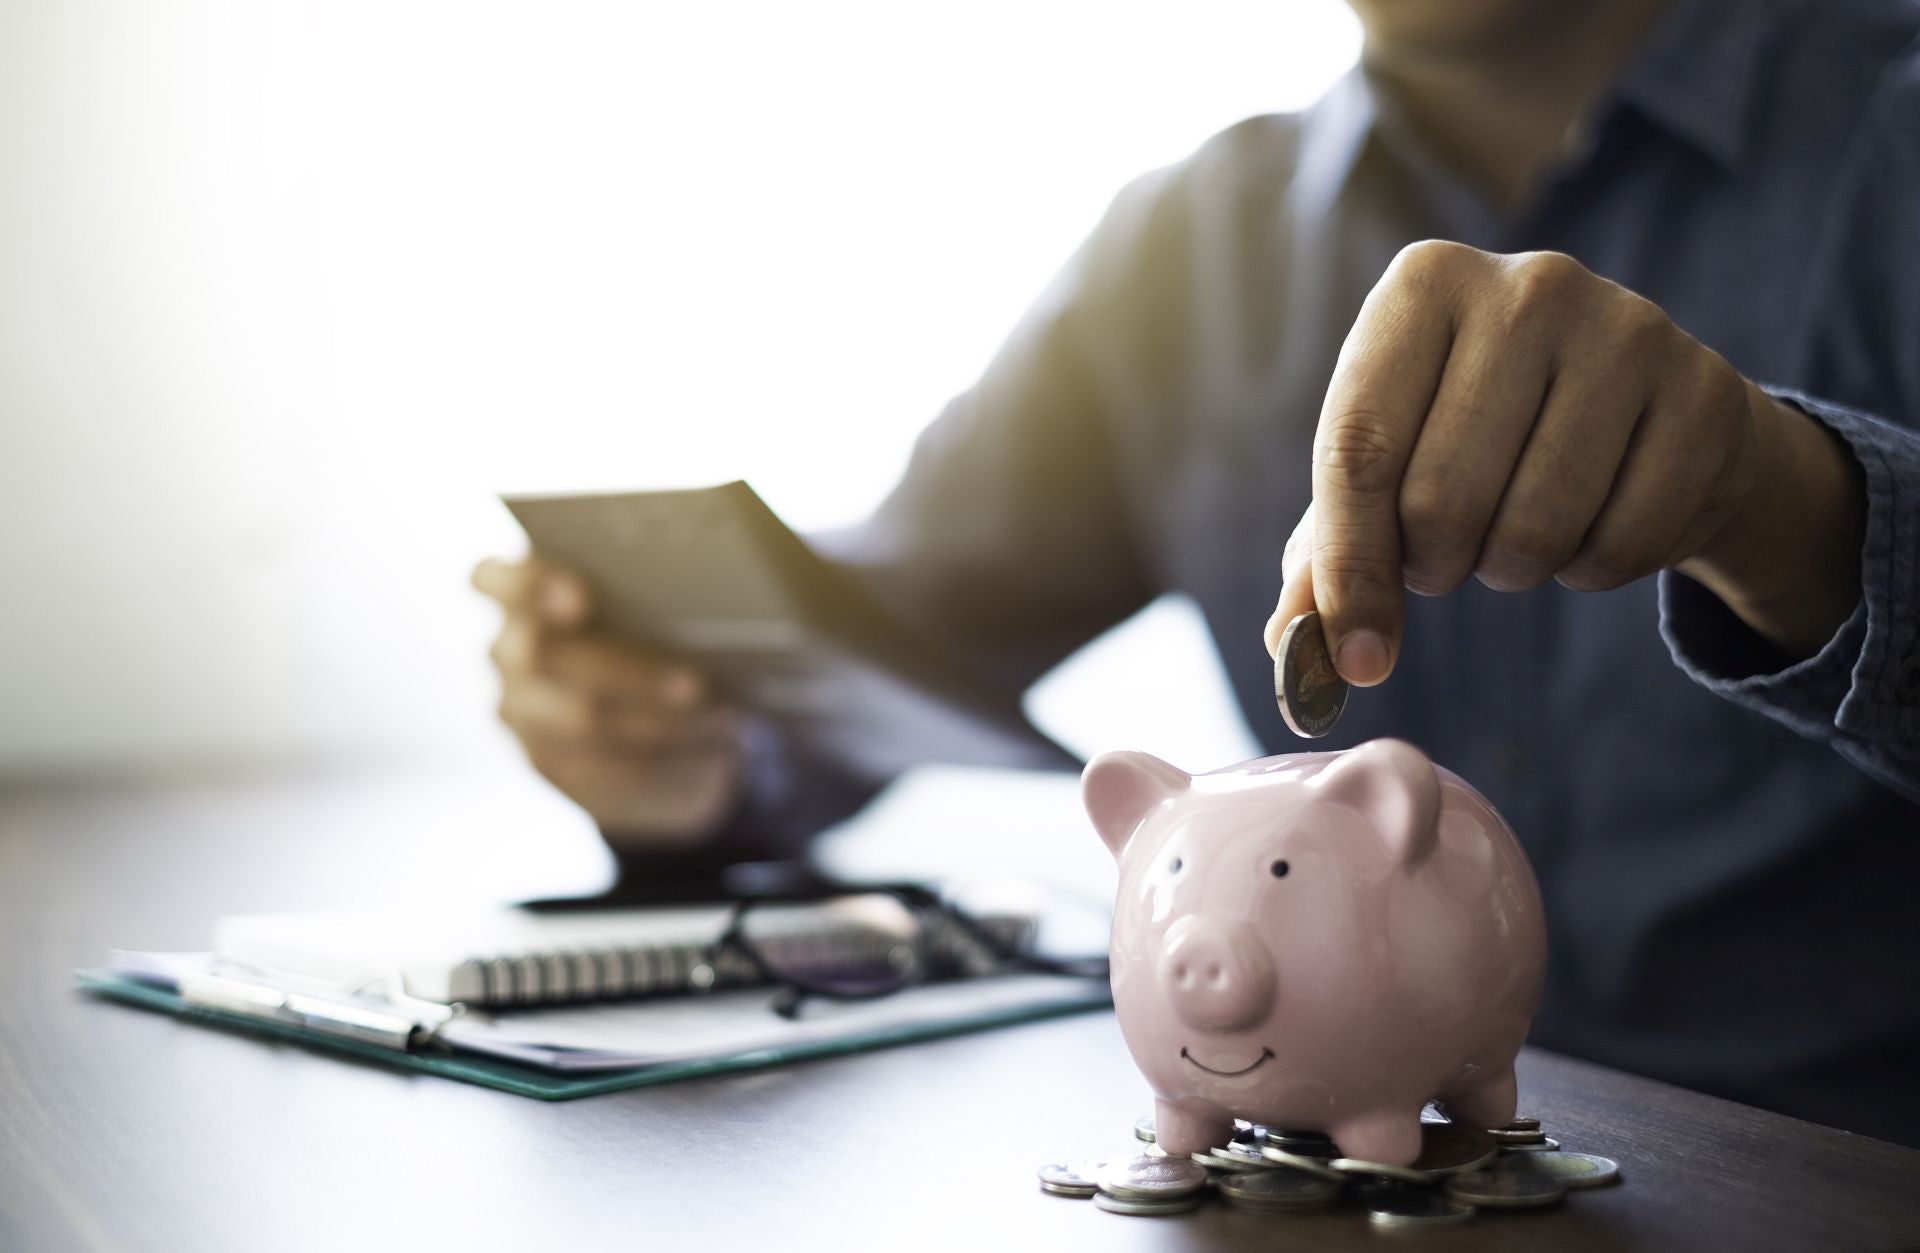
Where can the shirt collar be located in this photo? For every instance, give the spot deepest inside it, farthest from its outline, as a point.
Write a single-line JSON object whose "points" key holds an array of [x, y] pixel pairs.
{"points": [[1334, 132], [1695, 78], [1696, 75]]}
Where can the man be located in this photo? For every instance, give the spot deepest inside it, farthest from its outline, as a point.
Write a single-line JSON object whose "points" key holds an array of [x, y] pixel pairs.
{"points": [[1501, 307]]}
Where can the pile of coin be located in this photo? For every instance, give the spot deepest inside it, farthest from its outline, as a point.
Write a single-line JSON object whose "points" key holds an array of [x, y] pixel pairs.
{"points": [[1266, 1170]]}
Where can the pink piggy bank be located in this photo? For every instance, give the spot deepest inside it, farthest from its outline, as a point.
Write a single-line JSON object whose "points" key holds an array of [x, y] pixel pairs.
{"points": [[1322, 941]]}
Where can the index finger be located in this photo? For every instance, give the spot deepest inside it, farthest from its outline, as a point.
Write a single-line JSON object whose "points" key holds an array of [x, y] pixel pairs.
{"points": [[1388, 372], [512, 583], [554, 595]]}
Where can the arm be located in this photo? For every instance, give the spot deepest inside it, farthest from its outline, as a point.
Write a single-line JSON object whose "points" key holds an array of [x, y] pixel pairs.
{"points": [[1008, 544], [1009, 541], [1858, 685], [1607, 445]]}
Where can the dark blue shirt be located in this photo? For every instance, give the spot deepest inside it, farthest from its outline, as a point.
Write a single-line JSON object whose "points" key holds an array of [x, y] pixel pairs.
{"points": [[1729, 846]]}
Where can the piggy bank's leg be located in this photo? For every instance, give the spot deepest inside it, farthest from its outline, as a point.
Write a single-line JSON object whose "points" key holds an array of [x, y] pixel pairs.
{"points": [[1184, 1129], [1390, 1136], [1488, 1102]]}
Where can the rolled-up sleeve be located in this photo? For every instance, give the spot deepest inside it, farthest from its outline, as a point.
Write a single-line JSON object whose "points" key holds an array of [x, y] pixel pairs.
{"points": [[1861, 692]]}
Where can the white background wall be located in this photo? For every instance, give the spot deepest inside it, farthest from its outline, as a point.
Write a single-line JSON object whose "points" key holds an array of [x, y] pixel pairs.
{"points": [[289, 291]]}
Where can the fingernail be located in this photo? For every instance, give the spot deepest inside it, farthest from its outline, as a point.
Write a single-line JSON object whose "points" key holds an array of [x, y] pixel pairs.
{"points": [[1362, 658], [1271, 634]]}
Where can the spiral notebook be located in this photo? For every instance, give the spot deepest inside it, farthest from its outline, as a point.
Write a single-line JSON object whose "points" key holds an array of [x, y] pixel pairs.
{"points": [[506, 958], [561, 1006]]}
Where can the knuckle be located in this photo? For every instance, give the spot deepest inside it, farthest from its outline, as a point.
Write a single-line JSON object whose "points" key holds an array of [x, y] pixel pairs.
{"points": [[1430, 259], [1723, 393], [1359, 448], [1354, 569], [1543, 281], [1645, 329]]}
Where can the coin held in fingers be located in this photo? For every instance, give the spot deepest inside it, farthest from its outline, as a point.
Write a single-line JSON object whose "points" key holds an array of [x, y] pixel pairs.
{"points": [[1310, 691]]}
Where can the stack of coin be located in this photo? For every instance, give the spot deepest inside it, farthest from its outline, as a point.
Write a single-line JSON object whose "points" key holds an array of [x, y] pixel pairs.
{"points": [[1077, 1179], [1276, 1191], [1445, 1149], [1150, 1185], [1576, 1171], [1264, 1170]]}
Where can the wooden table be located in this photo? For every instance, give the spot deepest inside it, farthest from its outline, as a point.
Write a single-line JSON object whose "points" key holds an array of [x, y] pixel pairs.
{"points": [[127, 1130]]}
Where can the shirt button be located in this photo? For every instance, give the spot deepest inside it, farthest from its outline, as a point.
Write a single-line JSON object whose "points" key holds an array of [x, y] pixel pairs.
{"points": [[1906, 684]]}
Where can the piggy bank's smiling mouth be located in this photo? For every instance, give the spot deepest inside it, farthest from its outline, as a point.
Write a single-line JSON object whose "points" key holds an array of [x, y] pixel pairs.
{"points": [[1255, 1064]]}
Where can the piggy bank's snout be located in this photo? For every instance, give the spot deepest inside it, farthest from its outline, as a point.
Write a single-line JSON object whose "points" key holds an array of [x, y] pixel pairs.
{"points": [[1217, 974]]}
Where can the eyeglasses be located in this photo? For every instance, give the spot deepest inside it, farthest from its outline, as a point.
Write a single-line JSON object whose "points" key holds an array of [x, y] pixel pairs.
{"points": [[862, 944]]}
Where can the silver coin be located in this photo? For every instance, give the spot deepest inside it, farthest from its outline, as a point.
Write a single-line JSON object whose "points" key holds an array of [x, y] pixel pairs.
{"points": [[1301, 1162], [1517, 1135], [1372, 1192], [1143, 1129], [1448, 1148], [1545, 1144], [1274, 1191], [1126, 1205], [1231, 1159], [1523, 1124], [1310, 691], [1295, 1133], [1506, 1189], [1146, 1178], [1418, 1210], [1354, 1166], [1572, 1170], [1312, 1143], [1070, 1178]]}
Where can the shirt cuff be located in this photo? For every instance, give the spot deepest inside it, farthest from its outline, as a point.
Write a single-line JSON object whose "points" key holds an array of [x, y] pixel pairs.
{"points": [[787, 795], [1863, 686]]}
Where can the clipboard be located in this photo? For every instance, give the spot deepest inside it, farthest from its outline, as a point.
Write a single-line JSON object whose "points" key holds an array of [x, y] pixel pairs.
{"points": [[1075, 996]]}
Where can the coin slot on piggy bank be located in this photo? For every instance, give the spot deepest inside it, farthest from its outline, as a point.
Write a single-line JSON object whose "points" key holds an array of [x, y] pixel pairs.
{"points": [[1321, 941]]}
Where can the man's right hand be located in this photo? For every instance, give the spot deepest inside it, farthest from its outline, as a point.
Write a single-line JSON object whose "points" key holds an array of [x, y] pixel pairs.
{"points": [[635, 739]]}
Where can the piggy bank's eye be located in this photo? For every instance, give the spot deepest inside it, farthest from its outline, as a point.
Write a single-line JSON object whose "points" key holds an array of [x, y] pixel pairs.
{"points": [[1174, 868], [1279, 869]]}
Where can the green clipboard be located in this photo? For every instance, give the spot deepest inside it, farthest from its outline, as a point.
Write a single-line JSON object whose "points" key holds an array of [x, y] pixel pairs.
{"points": [[548, 1085]]}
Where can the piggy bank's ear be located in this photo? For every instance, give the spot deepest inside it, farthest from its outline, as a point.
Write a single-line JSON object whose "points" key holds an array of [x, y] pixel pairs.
{"points": [[1119, 788], [1394, 785]]}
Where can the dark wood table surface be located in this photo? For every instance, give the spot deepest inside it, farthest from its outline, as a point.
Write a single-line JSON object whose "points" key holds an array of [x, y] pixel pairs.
{"points": [[121, 1129]]}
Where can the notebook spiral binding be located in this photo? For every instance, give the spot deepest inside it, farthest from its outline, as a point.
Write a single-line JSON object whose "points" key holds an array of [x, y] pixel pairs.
{"points": [[571, 976]]}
